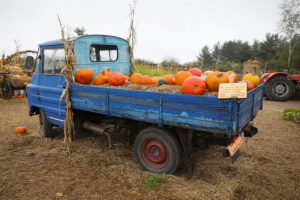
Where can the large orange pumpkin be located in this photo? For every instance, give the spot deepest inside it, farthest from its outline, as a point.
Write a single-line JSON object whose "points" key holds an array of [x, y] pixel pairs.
{"points": [[181, 76], [116, 79], [146, 80], [170, 79], [193, 85], [100, 79], [214, 79], [21, 130], [136, 78], [84, 76], [196, 71], [232, 76]]}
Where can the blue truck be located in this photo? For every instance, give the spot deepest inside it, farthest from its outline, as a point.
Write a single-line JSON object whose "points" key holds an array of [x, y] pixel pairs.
{"points": [[162, 126]]}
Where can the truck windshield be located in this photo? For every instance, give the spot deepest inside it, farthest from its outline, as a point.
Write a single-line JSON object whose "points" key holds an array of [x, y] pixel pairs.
{"points": [[54, 60], [103, 53]]}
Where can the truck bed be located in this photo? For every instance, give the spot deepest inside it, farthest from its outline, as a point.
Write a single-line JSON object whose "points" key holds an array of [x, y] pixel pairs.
{"points": [[204, 113]]}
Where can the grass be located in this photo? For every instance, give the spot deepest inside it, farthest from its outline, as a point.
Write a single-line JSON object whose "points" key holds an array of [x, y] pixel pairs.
{"points": [[152, 181], [292, 114], [147, 70]]}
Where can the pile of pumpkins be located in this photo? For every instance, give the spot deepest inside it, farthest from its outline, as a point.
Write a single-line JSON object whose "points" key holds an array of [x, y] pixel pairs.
{"points": [[192, 81]]}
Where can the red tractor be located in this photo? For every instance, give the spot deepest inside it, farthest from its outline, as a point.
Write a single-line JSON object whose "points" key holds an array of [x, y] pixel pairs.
{"points": [[280, 86]]}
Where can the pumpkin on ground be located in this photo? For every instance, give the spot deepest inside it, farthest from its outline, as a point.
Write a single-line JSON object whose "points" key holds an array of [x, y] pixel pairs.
{"points": [[232, 76], [214, 79], [21, 130], [146, 80], [181, 76], [116, 79], [193, 85], [84, 76], [196, 71], [100, 79], [136, 78], [252, 78], [250, 85], [170, 79]]}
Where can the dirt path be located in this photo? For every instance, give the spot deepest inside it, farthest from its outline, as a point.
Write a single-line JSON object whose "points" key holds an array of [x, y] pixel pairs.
{"points": [[35, 168]]}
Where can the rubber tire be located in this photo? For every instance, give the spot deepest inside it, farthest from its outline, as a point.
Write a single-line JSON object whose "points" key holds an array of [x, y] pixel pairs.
{"points": [[6, 88], [45, 127], [271, 83], [168, 139]]}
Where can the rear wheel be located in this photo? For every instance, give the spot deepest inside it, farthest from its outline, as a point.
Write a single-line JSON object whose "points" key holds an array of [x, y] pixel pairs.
{"points": [[6, 89], [157, 150], [45, 127], [280, 88]]}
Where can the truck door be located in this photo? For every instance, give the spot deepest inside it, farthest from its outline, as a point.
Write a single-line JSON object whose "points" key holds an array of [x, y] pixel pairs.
{"points": [[52, 84]]}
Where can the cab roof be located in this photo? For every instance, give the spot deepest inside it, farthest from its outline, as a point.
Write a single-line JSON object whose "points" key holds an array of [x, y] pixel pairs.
{"points": [[59, 42]]}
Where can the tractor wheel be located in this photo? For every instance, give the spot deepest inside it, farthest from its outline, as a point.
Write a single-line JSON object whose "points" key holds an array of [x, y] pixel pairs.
{"points": [[280, 88], [6, 89], [157, 150], [45, 127]]}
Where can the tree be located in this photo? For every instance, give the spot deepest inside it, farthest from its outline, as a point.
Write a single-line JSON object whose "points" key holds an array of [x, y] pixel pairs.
{"points": [[80, 31], [255, 48], [216, 53], [206, 56], [269, 47], [289, 24]]}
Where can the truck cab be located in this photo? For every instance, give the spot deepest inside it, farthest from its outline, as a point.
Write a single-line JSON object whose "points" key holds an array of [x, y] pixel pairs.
{"points": [[96, 52]]}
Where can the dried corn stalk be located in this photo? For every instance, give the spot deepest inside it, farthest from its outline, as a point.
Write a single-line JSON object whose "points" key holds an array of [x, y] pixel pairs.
{"points": [[67, 71], [132, 35]]}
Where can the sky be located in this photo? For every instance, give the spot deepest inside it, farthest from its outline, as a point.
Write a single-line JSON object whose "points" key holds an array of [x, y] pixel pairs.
{"points": [[165, 28]]}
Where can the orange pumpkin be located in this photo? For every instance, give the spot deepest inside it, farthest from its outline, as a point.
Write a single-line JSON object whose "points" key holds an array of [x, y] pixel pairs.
{"points": [[100, 79], [232, 76], [214, 79], [155, 79], [250, 85], [146, 80], [21, 130], [181, 76], [193, 85], [106, 72], [196, 71], [84, 76], [136, 78], [116, 79], [170, 79]]}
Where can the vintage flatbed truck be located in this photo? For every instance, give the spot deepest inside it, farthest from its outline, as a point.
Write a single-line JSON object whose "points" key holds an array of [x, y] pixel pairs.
{"points": [[162, 125]]}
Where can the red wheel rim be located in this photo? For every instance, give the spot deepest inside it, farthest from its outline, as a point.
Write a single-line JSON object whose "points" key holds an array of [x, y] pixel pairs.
{"points": [[155, 153]]}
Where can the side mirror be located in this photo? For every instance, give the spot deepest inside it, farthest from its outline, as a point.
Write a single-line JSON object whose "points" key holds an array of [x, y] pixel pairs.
{"points": [[29, 62]]}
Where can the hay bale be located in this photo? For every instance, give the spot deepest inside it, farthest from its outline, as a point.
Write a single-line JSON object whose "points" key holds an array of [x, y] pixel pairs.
{"points": [[252, 66], [18, 81]]}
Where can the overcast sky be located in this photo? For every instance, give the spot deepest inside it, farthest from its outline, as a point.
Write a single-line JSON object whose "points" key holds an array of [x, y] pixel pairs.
{"points": [[174, 28]]}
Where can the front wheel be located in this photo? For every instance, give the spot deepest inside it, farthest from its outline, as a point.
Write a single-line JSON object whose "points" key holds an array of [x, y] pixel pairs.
{"points": [[280, 89], [45, 126], [157, 150]]}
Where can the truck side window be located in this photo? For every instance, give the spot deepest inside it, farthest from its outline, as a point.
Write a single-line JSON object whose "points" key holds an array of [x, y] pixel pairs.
{"points": [[103, 53], [37, 62], [54, 60]]}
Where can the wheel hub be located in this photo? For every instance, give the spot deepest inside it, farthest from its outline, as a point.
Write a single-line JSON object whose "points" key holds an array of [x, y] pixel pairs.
{"points": [[155, 153], [280, 89]]}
